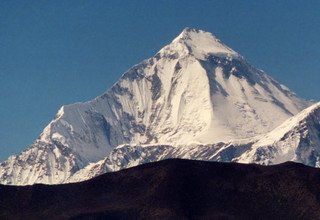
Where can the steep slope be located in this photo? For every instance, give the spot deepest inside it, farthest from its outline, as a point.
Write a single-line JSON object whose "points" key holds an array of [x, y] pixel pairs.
{"points": [[174, 189], [195, 90]]}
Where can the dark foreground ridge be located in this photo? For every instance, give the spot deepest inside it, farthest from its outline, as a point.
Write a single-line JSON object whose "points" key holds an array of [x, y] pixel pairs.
{"points": [[174, 189]]}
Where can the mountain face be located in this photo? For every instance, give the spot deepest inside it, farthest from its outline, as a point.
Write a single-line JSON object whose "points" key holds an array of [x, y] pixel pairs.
{"points": [[196, 98], [174, 189], [297, 139]]}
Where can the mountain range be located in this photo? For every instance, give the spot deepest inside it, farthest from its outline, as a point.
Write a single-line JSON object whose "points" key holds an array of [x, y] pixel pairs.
{"points": [[195, 99]]}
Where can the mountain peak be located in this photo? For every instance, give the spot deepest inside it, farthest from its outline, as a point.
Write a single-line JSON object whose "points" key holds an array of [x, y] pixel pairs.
{"points": [[201, 43]]}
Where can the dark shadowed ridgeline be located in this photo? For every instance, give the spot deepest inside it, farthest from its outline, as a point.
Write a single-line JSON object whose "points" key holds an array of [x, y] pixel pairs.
{"points": [[175, 189]]}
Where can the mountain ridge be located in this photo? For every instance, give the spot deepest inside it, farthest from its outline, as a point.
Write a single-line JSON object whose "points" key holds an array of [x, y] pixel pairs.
{"points": [[174, 189]]}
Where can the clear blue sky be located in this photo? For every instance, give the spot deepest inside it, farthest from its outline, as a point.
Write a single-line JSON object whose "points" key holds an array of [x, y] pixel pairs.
{"points": [[60, 52]]}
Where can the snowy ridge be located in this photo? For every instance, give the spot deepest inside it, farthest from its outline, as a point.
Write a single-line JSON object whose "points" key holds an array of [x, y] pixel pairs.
{"points": [[297, 139], [195, 91]]}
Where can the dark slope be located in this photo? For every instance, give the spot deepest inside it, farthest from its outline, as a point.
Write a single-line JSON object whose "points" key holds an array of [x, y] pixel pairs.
{"points": [[174, 189]]}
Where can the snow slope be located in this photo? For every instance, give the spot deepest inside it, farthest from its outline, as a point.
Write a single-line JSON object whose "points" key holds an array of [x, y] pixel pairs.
{"points": [[194, 92]]}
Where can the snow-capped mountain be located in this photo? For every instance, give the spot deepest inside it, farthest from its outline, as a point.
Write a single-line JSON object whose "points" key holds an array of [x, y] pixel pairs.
{"points": [[189, 100]]}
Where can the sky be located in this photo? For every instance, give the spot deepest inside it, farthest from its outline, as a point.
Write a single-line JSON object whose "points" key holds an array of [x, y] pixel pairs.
{"points": [[54, 53]]}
